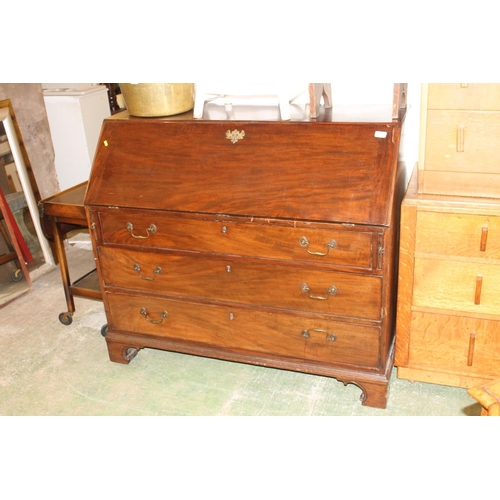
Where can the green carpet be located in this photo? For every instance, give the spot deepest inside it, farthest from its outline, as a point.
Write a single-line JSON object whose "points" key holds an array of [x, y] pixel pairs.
{"points": [[52, 369]]}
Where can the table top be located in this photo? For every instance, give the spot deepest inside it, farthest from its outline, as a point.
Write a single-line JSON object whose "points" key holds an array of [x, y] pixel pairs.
{"points": [[68, 203]]}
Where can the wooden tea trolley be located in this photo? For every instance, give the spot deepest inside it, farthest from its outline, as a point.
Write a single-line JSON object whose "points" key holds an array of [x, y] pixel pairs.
{"points": [[60, 214]]}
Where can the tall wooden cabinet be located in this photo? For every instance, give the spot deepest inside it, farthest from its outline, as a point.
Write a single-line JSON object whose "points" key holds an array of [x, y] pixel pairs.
{"points": [[448, 321], [253, 240], [459, 147]]}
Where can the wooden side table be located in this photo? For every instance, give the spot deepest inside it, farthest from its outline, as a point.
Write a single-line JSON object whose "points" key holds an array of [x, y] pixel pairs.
{"points": [[488, 395], [61, 214]]}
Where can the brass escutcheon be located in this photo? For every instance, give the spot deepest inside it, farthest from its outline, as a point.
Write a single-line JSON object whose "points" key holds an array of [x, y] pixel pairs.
{"points": [[235, 135]]}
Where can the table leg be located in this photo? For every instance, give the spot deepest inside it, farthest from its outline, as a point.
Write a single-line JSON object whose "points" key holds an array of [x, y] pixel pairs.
{"points": [[65, 318]]}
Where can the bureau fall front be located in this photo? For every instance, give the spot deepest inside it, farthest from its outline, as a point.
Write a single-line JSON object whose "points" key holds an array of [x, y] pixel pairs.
{"points": [[251, 240]]}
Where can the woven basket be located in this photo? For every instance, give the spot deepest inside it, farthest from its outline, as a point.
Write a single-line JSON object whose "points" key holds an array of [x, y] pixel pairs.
{"points": [[158, 99]]}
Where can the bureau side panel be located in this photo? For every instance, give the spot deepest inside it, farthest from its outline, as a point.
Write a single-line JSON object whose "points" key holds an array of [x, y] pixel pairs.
{"points": [[388, 262], [405, 283]]}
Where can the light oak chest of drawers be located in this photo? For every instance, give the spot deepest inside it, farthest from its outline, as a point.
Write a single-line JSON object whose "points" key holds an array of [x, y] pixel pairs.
{"points": [[459, 147], [448, 323], [257, 241]]}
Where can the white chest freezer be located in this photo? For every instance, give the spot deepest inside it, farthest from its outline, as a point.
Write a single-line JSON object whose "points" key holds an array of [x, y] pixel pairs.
{"points": [[75, 117]]}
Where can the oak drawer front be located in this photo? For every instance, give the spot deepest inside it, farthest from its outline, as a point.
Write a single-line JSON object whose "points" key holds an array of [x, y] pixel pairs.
{"points": [[456, 285], [295, 170], [459, 344], [463, 141], [479, 96], [298, 336], [460, 235], [236, 280], [459, 183], [336, 246]]}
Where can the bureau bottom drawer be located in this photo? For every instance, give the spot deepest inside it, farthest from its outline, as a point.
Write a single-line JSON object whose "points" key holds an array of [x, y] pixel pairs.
{"points": [[300, 336]]}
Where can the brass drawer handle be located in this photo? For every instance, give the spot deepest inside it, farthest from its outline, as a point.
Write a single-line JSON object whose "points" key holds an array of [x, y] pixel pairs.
{"points": [[331, 291], [331, 245], [156, 272], [330, 337], [163, 315], [150, 229]]}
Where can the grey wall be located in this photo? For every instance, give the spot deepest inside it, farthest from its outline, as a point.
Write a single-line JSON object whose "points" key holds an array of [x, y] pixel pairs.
{"points": [[29, 108]]}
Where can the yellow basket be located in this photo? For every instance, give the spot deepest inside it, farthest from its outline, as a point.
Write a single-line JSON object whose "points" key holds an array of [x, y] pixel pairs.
{"points": [[158, 99]]}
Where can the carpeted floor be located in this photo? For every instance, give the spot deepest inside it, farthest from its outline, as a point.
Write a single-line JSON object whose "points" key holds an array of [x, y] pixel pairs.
{"points": [[51, 369]]}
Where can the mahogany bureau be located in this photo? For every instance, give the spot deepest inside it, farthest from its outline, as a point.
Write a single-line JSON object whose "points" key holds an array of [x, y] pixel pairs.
{"points": [[253, 240]]}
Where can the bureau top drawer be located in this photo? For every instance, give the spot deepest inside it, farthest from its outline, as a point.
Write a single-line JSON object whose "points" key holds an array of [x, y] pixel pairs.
{"points": [[480, 96], [459, 235], [319, 171], [326, 244]]}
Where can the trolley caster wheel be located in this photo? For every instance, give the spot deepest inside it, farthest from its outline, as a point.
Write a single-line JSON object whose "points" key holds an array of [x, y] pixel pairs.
{"points": [[66, 318], [17, 275], [104, 330]]}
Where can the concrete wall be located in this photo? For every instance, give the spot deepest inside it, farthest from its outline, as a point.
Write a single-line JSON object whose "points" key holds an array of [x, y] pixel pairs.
{"points": [[29, 108]]}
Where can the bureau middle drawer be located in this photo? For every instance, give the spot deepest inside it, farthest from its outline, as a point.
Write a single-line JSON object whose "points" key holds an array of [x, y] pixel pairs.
{"points": [[269, 284], [330, 244], [256, 330], [460, 235]]}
